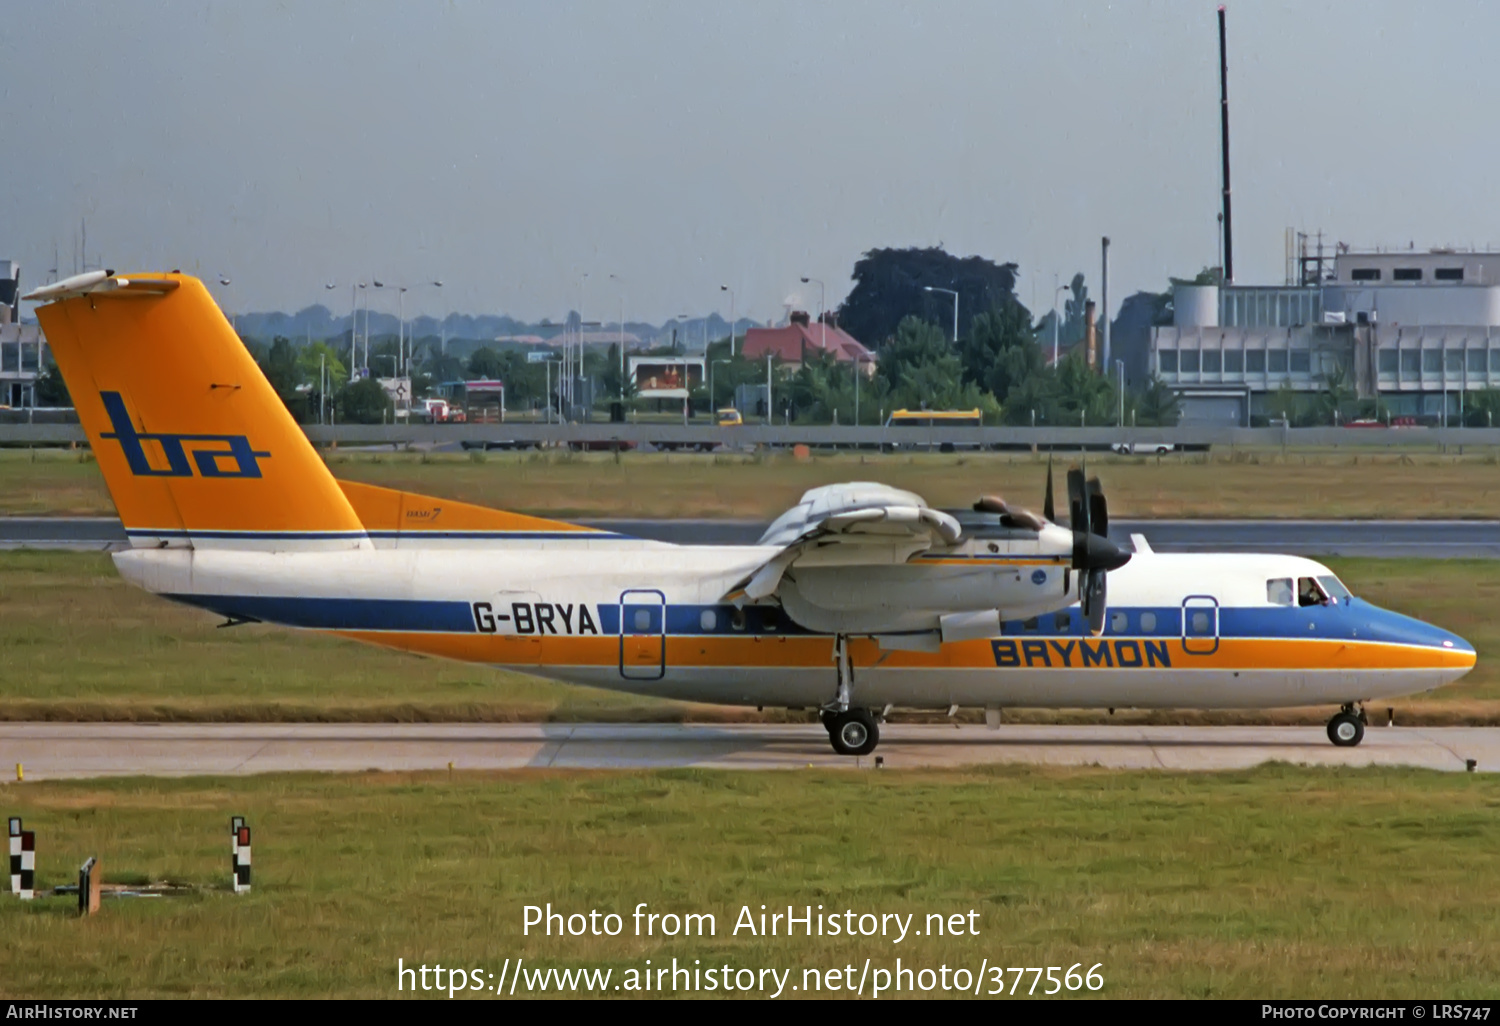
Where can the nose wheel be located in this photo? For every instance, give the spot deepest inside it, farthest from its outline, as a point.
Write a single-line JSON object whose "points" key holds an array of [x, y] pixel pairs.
{"points": [[1347, 727], [852, 732]]}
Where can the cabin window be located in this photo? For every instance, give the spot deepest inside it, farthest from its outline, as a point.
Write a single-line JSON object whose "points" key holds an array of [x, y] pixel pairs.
{"points": [[768, 621], [1200, 622], [1279, 591], [1148, 623], [1119, 622], [708, 620], [1335, 588], [1031, 624], [1061, 622], [1310, 592], [642, 620], [737, 619]]}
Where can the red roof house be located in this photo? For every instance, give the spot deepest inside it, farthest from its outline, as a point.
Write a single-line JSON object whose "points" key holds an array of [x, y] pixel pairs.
{"points": [[792, 343]]}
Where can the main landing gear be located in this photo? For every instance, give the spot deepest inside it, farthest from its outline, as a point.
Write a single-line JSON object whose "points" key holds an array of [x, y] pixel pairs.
{"points": [[851, 731], [1347, 727]]}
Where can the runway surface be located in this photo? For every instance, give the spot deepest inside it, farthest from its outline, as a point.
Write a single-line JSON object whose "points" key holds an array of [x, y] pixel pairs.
{"points": [[56, 750], [1472, 539]]}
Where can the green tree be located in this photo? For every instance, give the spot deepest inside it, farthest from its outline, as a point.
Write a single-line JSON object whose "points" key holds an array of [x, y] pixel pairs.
{"points": [[484, 364], [998, 353], [920, 368], [889, 284], [1157, 405], [51, 390], [364, 402], [313, 359], [282, 368]]}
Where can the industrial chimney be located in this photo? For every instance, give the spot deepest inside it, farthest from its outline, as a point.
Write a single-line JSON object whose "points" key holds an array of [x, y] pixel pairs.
{"points": [[1089, 333]]}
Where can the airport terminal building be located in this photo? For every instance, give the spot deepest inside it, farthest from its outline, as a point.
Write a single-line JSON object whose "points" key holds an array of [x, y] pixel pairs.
{"points": [[1417, 330]]}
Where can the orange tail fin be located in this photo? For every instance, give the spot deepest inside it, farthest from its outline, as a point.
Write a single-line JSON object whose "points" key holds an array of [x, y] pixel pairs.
{"points": [[195, 446]]}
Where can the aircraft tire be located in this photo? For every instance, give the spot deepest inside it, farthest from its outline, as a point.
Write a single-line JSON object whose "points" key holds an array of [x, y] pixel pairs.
{"points": [[854, 732], [1346, 730]]}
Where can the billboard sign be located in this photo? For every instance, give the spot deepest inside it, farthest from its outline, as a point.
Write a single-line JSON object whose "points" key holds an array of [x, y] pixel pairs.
{"points": [[666, 377]]}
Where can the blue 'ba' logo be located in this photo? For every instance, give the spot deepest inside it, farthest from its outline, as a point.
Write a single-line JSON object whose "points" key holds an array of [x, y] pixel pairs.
{"points": [[213, 455], [1038, 577]]}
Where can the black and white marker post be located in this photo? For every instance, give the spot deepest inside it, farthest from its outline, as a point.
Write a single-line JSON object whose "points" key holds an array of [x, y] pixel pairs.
{"points": [[28, 865], [15, 854], [242, 860]]}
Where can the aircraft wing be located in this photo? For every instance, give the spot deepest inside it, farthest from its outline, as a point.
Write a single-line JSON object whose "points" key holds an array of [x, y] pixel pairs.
{"points": [[873, 532]]}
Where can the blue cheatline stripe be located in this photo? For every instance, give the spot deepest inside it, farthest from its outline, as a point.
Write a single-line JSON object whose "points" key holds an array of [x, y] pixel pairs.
{"points": [[343, 614], [1357, 621]]}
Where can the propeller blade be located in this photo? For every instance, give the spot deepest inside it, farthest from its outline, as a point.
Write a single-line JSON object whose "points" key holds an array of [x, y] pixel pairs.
{"points": [[1078, 508], [1098, 508], [1095, 587], [1047, 510]]}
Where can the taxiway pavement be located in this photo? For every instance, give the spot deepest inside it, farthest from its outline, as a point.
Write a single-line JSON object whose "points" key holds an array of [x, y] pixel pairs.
{"points": [[59, 750]]}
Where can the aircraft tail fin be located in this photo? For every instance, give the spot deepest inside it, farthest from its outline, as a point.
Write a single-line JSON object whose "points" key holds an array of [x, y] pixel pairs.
{"points": [[195, 445]]}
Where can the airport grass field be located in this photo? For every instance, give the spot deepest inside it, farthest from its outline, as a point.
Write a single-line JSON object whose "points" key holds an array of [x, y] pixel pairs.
{"points": [[1328, 483], [78, 643], [1278, 882]]}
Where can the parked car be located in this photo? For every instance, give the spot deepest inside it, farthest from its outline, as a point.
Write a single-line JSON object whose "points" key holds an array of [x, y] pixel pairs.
{"points": [[1143, 448]]}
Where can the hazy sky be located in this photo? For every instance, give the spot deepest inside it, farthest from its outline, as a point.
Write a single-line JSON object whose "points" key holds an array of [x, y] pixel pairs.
{"points": [[508, 148]]}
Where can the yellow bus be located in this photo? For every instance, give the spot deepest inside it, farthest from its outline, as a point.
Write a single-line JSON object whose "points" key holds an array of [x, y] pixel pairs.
{"points": [[938, 419]]}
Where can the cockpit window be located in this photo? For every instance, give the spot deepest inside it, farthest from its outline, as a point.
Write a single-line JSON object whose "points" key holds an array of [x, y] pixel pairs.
{"points": [[1279, 591], [1335, 588], [1310, 592]]}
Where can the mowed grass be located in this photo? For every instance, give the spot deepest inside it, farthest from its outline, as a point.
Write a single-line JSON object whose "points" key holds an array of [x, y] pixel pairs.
{"points": [[1327, 483], [1279, 882], [78, 643]]}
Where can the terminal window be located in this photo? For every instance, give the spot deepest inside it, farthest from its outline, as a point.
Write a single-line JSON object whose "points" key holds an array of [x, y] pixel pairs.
{"points": [[1455, 361], [1212, 361], [1234, 361], [1476, 360], [1365, 274], [1449, 274], [1388, 361], [1301, 361], [1495, 361], [1168, 360], [1411, 362], [1255, 361], [1276, 361], [1407, 274], [1187, 360], [1432, 361]]}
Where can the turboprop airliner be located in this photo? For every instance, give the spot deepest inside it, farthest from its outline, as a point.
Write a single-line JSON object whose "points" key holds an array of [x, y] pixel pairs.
{"points": [[859, 599]]}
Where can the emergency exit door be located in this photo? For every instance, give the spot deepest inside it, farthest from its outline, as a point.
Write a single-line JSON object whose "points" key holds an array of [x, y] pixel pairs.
{"points": [[643, 635]]}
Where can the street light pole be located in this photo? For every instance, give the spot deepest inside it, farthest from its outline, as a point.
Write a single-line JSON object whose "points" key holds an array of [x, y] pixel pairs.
{"points": [[934, 288], [822, 309], [1055, 293], [726, 288], [616, 277]]}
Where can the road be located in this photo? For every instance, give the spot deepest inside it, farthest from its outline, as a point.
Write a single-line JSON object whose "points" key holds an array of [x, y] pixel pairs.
{"points": [[57, 750], [1472, 539]]}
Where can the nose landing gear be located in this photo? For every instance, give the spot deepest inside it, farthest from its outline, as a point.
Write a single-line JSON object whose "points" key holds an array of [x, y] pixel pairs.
{"points": [[851, 731], [1347, 727]]}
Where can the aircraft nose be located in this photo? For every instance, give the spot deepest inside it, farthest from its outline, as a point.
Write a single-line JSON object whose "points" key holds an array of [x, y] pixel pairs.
{"points": [[1454, 651]]}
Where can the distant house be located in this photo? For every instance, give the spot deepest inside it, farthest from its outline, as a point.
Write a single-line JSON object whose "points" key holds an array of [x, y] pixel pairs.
{"points": [[792, 343]]}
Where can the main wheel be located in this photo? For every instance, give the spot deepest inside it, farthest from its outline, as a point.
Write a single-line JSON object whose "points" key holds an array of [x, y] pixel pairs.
{"points": [[854, 732], [1346, 730]]}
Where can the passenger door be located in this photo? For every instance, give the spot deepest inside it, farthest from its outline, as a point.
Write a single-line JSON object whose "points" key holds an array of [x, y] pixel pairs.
{"points": [[1200, 625], [643, 634]]}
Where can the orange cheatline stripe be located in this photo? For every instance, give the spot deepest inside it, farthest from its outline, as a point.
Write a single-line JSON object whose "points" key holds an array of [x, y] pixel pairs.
{"points": [[816, 651]]}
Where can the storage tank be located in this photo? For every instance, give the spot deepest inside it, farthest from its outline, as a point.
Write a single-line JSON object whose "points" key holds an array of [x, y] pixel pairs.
{"points": [[1195, 306]]}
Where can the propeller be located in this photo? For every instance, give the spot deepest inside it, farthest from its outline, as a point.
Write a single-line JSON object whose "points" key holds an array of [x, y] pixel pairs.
{"points": [[1094, 555]]}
